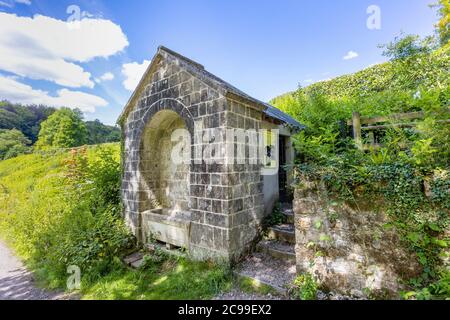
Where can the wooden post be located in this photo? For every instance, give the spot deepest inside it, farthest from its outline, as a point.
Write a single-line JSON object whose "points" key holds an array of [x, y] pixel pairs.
{"points": [[356, 121]]}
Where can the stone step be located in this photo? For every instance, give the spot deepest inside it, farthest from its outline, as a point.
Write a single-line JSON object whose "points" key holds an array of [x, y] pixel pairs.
{"points": [[264, 270], [277, 249], [258, 285], [289, 217], [288, 211], [167, 248], [134, 260], [282, 232]]}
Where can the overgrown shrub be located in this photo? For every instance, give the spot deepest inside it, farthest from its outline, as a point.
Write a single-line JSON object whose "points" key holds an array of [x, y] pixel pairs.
{"points": [[63, 209], [410, 173], [13, 143]]}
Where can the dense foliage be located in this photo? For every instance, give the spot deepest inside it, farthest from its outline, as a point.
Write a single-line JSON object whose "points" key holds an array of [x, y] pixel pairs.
{"points": [[101, 133], [63, 129], [443, 26], [60, 210], [409, 175], [26, 119], [12, 143], [379, 90]]}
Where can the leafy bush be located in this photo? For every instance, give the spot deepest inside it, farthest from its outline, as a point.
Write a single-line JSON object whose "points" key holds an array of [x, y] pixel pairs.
{"points": [[12, 144], [443, 26], [304, 287], [440, 288], [59, 209]]}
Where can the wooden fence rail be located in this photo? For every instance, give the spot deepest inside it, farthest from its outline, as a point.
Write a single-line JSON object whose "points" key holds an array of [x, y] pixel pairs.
{"points": [[370, 124]]}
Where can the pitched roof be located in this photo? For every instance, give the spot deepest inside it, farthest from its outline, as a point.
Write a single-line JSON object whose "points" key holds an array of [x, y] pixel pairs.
{"points": [[226, 88]]}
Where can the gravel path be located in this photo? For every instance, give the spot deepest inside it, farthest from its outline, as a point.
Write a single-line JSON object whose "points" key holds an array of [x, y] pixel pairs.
{"points": [[268, 269], [17, 283], [237, 294]]}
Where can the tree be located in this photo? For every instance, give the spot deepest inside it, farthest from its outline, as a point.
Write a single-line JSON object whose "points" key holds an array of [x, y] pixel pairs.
{"points": [[100, 133], [24, 118], [443, 26], [63, 129], [408, 46], [12, 143]]}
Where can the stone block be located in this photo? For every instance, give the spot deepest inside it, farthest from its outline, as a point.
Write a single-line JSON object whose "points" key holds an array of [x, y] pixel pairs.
{"points": [[217, 220], [202, 235], [305, 205]]}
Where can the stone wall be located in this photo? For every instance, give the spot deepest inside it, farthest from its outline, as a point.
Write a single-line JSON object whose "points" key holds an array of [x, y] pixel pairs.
{"points": [[348, 249], [246, 204], [225, 199]]}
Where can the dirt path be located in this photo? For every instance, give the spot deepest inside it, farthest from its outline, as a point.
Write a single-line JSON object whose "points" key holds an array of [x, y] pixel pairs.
{"points": [[17, 283]]}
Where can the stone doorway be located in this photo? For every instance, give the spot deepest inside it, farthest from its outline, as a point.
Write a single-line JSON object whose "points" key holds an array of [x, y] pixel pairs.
{"points": [[285, 195]]}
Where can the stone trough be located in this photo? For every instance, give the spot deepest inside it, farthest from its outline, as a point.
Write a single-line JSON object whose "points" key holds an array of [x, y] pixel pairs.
{"points": [[171, 228]]}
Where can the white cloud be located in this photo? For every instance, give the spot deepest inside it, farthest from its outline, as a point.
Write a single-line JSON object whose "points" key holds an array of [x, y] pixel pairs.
{"points": [[45, 48], [108, 76], [308, 81], [27, 2], [11, 3], [133, 73], [351, 55], [14, 91], [6, 4]]}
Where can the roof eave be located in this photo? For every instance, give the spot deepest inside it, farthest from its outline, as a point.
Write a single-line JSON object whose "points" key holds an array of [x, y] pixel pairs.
{"points": [[198, 69]]}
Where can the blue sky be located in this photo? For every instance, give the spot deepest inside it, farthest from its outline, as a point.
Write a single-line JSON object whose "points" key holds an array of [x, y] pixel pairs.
{"points": [[264, 48]]}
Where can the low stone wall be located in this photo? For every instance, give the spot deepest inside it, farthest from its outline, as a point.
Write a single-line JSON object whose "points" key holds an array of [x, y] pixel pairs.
{"points": [[349, 249]]}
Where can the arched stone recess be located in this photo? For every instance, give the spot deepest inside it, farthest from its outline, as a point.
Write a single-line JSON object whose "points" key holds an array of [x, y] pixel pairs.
{"points": [[164, 174], [160, 194]]}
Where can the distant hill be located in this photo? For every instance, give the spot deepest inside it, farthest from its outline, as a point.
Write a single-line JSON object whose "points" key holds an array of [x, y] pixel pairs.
{"points": [[23, 118], [101, 133], [27, 119]]}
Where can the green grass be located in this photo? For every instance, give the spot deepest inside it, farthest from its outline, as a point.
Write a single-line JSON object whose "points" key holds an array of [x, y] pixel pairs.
{"points": [[174, 279], [47, 229], [250, 285]]}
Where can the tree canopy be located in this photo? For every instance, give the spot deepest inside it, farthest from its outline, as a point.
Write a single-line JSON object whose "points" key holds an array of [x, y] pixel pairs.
{"points": [[26, 119], [101, 133], [63, 129], [12, 143], [443, 26]]}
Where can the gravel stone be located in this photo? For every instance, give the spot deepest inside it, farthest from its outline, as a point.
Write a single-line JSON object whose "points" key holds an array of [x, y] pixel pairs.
{"points": [[268, 269]]}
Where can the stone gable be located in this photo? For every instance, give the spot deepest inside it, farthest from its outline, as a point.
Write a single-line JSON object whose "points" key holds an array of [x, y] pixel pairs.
{"points": [[213, 208]]}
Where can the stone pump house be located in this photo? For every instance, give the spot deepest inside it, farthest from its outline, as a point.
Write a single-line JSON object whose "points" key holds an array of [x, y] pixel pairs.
{"points": [[233, 153]]}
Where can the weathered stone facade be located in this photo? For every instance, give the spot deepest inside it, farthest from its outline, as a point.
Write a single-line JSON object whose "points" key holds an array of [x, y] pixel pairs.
{"points": [[348, 249], [213, 205]]}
